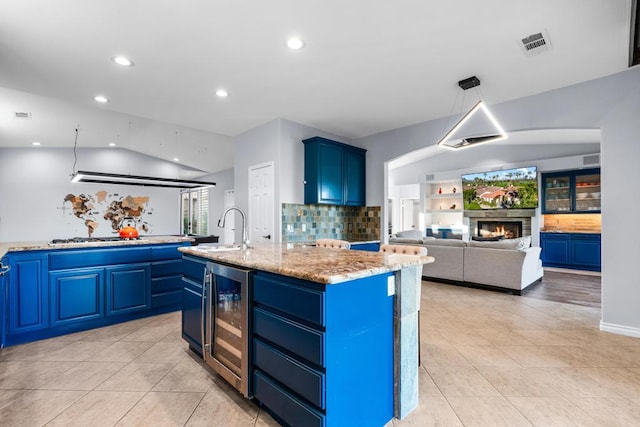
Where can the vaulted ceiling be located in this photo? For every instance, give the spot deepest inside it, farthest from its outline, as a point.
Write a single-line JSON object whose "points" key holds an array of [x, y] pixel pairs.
{"points": [[367, 66]]}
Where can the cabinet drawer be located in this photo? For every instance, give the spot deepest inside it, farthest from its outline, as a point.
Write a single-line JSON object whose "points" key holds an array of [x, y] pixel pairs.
{"points": [[166, 284], [193, 268], [62, 259], [165, 252], [303, 380], [304, 303], [166, 268], [290, 335], [166, 299], [284, 404]]}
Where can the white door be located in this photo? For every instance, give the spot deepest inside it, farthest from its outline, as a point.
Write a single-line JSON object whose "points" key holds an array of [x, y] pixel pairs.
{"points": [[228, 234], [261, 205]]}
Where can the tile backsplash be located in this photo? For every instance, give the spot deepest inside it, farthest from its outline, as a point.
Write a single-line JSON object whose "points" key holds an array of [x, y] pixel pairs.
{"points": [[307, 223]]}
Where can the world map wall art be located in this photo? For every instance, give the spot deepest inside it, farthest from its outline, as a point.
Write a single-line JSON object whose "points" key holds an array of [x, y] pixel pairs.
{"points": [[105, 212]]}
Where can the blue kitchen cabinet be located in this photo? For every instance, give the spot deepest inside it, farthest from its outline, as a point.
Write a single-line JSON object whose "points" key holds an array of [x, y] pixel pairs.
{"points": [[28, 306], [574, 191], [368, 246], [586, 251], [578, 251], [128, 288], [193, 271], [55, 292], [334, 173], [76, 295], [3, 303], [166, 276], [354, 176], [312, 348]]}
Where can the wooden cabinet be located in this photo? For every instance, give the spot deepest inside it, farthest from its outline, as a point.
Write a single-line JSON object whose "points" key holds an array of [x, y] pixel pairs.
{"points": [[76, 295], [334, 173], [576, 191], [193, 271], [312, 350], [28, 307], [580, 251]]}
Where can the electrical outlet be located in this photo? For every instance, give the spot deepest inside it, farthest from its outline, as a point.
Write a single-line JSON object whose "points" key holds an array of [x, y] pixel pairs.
{"points": [[391, 285]]}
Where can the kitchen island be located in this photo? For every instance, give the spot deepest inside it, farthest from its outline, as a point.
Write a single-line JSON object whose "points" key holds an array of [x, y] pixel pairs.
{"points": [[54, 289], [332, 334]]}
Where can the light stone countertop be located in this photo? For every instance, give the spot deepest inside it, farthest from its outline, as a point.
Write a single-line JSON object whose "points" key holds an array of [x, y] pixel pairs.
{"points": [[42, 245], [321, 265]]}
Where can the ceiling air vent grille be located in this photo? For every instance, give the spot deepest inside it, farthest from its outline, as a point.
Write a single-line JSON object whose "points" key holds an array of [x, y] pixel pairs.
{"points": [[535, 43], [593, 159], [21, 115]]}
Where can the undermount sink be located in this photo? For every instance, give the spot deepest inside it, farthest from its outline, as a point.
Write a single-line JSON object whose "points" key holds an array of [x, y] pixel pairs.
{"points": [[217, 248]]}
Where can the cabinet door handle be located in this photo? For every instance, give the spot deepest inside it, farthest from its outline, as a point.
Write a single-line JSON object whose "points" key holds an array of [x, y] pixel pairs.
{"points": [[268, 236]]}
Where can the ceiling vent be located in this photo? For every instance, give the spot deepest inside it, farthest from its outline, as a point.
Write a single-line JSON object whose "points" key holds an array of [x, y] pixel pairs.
{"points": [[22, 115], [593, 159], [535, 43]]}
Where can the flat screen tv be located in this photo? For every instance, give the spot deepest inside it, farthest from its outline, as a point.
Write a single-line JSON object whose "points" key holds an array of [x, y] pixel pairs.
{"points": [[515, 188]]}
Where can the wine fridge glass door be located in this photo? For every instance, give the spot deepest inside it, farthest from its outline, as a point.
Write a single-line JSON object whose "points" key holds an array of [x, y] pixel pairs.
{"points": [[227, 353]]}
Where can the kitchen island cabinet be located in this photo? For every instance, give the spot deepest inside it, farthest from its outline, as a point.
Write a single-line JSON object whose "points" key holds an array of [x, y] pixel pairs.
{"points": [[321, 321], [59, 289]]}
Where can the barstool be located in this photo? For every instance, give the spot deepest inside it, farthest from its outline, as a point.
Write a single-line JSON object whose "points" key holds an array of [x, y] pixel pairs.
{"points": [[333, 243]]}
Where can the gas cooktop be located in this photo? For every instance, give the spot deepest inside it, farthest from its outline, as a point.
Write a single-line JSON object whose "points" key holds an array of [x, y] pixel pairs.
{"points": [[91, 240]]}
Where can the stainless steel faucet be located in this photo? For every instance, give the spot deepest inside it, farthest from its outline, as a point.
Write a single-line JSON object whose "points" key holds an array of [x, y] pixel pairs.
{"points": [[245, 236]]}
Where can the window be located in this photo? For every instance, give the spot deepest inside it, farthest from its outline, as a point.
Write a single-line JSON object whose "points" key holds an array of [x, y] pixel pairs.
{"points": [[194, 206]]}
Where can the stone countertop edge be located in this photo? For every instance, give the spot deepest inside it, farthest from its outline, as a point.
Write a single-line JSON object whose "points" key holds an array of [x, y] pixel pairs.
{"points": [[41, 245], [320, 265]]}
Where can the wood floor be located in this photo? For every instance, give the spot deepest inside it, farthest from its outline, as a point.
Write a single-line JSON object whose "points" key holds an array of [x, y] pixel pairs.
{"points": [[579, 289]]}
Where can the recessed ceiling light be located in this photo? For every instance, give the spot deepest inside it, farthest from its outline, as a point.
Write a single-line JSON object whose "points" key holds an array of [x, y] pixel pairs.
{"points": [[295, 43], [112, 144], [222, 93], [35, 143], [122, 60], [102, 99], [175, 159]]}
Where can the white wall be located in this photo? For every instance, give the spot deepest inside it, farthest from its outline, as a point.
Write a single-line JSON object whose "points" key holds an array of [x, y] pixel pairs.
{"points": [[610, 103], [279, 141], [224, 182], [35, 181]]}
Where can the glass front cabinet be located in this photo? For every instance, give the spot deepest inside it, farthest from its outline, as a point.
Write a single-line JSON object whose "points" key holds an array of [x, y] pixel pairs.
{"points": [[576, 191]]}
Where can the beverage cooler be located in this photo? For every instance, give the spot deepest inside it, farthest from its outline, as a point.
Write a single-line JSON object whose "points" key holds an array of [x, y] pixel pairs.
{"points": [[226, 319]]}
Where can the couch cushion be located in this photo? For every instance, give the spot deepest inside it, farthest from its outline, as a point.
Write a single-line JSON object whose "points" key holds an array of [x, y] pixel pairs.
{"points": [[509, 244], [445, 242], [409, 234]]}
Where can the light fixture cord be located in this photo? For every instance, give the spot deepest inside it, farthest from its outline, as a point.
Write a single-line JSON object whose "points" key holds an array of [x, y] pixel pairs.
{"points": [[448, 121], [75, 154]]}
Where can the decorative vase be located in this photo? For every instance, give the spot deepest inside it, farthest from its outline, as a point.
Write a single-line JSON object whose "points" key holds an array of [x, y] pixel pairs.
{"points": [[440, 190], [454, 189]]}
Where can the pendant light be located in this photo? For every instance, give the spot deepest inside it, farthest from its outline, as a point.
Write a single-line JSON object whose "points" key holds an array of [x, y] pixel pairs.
{"points": [[457, 139], [125, 179]]}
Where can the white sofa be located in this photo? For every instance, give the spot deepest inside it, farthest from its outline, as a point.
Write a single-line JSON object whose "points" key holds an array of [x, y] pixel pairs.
{"points": [[506, 264]]}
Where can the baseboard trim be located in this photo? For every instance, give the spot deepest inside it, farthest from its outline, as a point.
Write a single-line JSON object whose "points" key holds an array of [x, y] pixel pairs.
{"points": [[572, 271], [620, 329]]}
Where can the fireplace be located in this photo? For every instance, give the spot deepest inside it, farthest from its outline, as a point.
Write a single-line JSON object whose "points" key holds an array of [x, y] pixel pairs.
{"points": [[499, 229]]}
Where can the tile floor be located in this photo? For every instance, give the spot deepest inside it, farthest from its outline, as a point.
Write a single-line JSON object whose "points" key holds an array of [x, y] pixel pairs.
{"points": [[488, 359]]}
